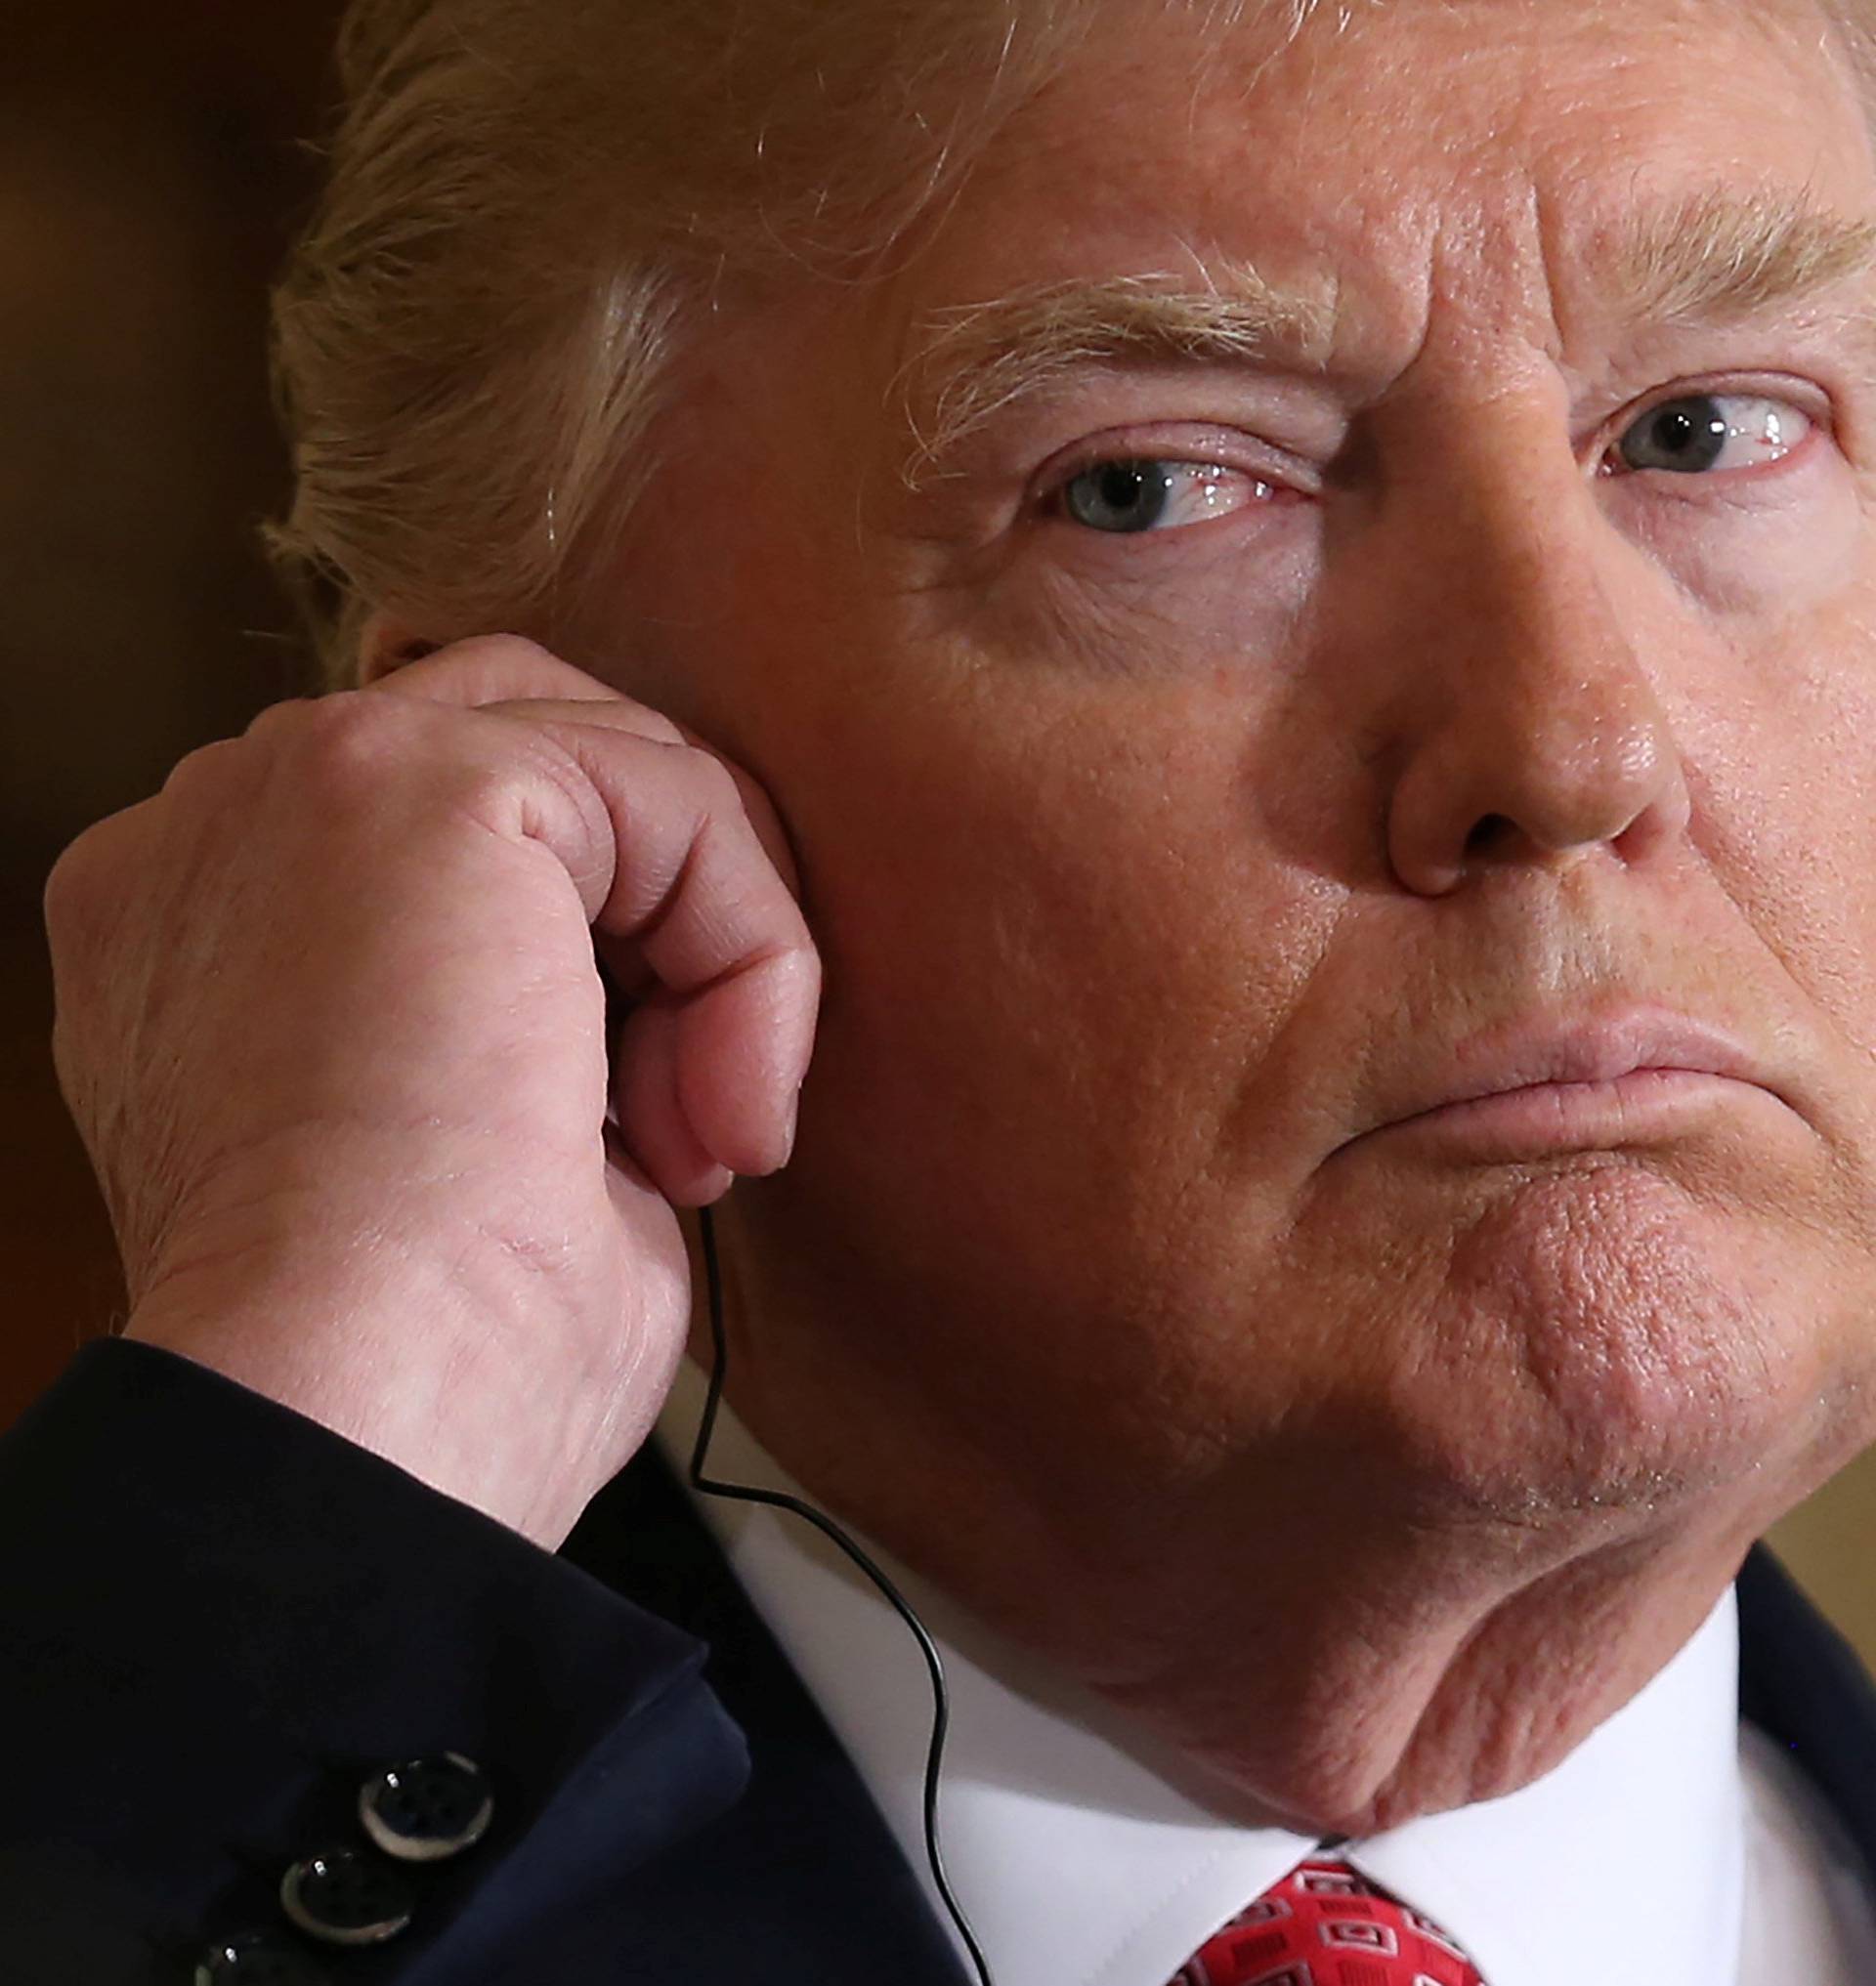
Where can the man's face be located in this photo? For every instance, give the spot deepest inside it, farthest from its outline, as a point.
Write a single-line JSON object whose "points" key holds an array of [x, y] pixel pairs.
{"points": [[1483, 695]]}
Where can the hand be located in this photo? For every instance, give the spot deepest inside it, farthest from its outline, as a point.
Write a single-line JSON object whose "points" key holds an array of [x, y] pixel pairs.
{"points": [[332, 1025]]}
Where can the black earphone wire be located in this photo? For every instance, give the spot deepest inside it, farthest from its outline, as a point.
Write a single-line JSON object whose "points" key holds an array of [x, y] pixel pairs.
{"points": [[744, 1493]]}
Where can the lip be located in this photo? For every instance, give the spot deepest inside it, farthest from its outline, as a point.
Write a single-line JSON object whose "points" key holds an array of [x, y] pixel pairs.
{"points": [[1580, 1081]]}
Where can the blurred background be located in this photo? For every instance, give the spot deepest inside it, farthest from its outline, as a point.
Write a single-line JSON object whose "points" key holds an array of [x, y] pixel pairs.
{"points": [[153, 161], [154, 164]]}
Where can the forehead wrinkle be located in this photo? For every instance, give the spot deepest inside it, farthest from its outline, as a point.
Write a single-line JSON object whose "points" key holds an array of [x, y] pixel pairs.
{"points": [[972, 362]]}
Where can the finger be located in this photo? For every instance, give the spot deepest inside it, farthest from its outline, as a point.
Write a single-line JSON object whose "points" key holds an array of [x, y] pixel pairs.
{"points": [[613, 711], [652, 1124], [685, 876], [491, 668], [521, 678], [624, 714], [671, 870]]}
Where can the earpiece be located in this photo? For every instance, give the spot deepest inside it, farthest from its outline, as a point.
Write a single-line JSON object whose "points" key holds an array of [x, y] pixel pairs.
{"points": [[742, 1493]]}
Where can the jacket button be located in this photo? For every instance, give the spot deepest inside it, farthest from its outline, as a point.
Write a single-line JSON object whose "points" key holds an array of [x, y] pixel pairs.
{"points": [[256, 1960], [428, 1810], [345, 1898]]}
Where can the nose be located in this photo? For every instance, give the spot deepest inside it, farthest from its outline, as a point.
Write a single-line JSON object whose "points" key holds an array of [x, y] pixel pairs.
{"points": [[1529, 731]]}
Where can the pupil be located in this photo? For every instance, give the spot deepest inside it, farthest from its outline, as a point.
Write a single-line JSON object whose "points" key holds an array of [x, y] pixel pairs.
{"points": [[1687, 435], [1122, 486], [1677, 430]]}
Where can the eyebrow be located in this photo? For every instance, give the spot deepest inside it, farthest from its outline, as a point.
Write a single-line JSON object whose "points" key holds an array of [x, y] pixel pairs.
{"points": [[1720, 256], [1714, 256], [977, 359]]}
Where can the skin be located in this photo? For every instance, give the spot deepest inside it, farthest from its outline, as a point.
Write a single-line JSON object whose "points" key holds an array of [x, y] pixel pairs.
{"points": [[1155, 882], [1149, 871]]}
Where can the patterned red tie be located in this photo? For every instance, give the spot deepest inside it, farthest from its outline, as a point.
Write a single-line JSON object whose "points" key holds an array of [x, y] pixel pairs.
{"points": [[1326, 1925]]}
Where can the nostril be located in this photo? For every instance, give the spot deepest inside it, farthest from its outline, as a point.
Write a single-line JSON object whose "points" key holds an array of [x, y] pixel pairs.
{"points": [[1487, 831]]}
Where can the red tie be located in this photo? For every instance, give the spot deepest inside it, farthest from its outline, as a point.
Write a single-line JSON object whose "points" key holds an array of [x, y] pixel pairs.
{"points": [[1326, 1925]]}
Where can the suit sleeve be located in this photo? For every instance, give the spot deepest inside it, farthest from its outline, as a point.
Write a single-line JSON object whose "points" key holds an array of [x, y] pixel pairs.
{"points": [[219, 1620]]}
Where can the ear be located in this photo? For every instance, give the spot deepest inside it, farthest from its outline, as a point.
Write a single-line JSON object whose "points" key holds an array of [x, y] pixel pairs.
{"points": [[385, 644]]}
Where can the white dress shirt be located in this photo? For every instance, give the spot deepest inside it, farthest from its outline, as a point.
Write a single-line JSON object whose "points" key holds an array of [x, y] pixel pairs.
{"points": [[1081, 1860]]}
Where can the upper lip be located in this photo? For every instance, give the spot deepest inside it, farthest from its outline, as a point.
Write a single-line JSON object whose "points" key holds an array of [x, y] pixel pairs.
{"points": [[1599, 1048]]}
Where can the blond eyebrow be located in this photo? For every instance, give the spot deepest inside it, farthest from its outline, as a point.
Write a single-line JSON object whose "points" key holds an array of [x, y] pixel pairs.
{"points": [[1722, 256], [977, 359], [1713, 255]]}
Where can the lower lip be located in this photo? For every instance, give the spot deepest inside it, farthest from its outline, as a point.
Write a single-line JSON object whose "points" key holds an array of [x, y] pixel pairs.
{"points": [[1645, 1107]]}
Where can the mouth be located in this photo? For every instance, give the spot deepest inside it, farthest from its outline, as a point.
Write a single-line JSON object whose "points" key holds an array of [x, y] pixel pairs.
{"points": [[1628, 1078]]}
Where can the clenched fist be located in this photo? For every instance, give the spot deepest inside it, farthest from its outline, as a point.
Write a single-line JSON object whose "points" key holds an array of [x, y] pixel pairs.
{"points": [[397, 1027]]}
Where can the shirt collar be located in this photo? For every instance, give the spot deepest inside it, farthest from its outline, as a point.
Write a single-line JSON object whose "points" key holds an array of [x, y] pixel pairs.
{"points": [[1079, 1856]]}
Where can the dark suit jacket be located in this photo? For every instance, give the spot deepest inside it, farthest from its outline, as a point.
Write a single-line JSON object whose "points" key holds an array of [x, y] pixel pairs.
{"points": [[217, 1620]]}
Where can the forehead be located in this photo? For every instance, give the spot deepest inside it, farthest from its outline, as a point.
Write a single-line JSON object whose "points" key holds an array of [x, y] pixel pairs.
{"points": [[1423, 147]]}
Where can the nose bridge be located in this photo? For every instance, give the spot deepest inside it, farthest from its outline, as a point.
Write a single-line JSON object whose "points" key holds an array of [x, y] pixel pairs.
{"points": [[1533, 730]]}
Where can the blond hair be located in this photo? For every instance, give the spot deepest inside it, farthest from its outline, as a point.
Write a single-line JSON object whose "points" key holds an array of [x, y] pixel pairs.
{"points": [[529, 203]]}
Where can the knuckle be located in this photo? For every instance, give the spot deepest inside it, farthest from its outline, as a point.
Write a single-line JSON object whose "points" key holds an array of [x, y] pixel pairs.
{"points": [[278, 719], [336, 743], [498, 651], [714, 783], [89, 872], [482, 668], [205, 765], [499, 793], [353, 752], [70, 882], [655, 725]]}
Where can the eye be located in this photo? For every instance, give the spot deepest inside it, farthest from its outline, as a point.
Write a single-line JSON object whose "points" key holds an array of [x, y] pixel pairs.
{"points": [[1140, 495], [1705, 432]]}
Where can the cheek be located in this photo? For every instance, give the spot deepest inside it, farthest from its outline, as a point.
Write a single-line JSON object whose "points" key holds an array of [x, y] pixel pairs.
{"points": [[1772, 551], [1786, 803], [1057, 952], [1220, 600]]}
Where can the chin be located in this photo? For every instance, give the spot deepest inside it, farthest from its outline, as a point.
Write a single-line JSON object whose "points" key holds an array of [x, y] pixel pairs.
{"points": [[1649, 1352]]}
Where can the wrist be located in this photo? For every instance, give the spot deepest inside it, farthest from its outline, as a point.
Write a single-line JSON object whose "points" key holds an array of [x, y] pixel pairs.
{"points": [[449, 1409]]}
